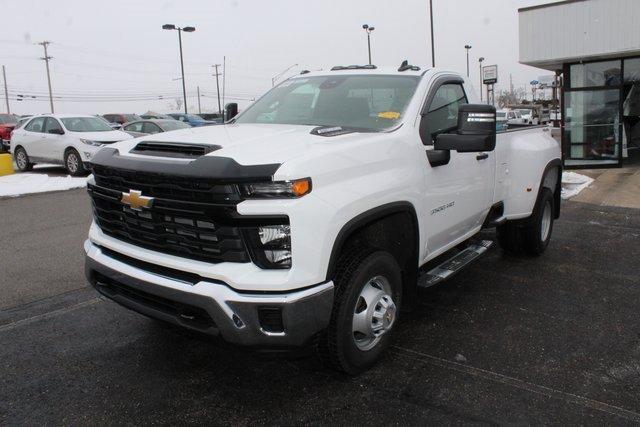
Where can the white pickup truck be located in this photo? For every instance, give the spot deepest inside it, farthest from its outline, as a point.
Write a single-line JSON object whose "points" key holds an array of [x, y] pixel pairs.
{"points": [[316, 214]]}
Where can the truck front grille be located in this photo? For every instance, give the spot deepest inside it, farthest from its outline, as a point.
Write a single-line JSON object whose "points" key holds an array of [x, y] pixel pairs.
{"points": [[188, 218]]}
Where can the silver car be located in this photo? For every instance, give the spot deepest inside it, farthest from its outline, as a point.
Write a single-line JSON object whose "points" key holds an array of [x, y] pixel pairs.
{"points": [[148, 127]]}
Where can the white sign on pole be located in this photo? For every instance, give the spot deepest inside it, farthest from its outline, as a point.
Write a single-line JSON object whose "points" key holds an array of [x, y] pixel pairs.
{"points": [[490, 74]]}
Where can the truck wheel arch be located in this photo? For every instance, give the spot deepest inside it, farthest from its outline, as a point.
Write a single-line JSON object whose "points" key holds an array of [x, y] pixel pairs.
{"points": [[362, 227], [552, 179]]}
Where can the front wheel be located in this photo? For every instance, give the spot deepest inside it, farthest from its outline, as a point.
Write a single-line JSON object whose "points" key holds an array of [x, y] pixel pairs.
{"points": [[366, 305], [22, 160], [73, 163]]}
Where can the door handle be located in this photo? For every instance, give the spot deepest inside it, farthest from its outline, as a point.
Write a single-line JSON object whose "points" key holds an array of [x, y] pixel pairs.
{"points": [[482, 156]]}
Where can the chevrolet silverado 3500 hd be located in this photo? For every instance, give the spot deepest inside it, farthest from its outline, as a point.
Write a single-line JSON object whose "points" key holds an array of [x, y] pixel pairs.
{"points": [[316, 214]]}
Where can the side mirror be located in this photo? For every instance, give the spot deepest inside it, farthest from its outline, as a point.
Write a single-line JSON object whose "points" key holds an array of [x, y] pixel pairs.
{"points": [[56, 131], [476, 130], [230, 111]]}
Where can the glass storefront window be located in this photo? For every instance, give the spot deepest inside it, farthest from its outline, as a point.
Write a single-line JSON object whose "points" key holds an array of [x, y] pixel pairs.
{"points": [[632, 70], [592, 124], [595, 74]]}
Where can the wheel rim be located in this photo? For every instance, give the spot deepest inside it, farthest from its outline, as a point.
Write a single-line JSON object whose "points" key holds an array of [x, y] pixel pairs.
{"points": [[545, 229], [374, 313], [21, 159], [72, 163]]}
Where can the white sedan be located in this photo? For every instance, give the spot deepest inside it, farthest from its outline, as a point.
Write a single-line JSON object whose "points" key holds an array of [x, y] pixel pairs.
{"points": [[69, 140]]}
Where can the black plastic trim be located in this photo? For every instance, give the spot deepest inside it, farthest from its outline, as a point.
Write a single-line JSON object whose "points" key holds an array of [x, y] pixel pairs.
{"points": [[367, 218], [222, 169], [558, 190]]}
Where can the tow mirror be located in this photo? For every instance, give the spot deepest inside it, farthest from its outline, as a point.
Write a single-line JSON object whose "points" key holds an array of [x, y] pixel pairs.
{"points": [[476, 130], [230, 111]]}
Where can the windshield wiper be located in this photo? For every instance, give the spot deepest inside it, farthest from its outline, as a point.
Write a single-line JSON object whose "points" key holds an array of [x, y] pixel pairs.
{"points": [[324, 130]]}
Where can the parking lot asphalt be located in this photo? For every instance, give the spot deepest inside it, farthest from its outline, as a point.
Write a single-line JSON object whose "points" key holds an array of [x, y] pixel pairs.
{"points": [[548, 340]]}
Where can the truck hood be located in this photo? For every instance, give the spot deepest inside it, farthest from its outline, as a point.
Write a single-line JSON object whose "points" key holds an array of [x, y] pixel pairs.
{"points": [[249, 144]]}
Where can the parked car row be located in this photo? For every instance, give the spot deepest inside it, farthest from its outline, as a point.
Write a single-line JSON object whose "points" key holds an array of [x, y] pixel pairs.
{"points": [[72, 140], [194, 120], [69, 140]]}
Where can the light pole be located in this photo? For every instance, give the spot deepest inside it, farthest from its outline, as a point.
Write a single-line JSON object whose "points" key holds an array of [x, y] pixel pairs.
{"points": [[480, 61], [180, 30], [468, 48], [368, 30], [433, 49]]}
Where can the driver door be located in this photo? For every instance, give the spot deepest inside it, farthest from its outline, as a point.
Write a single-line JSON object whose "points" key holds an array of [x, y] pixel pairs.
{"points": [[457, 194]]}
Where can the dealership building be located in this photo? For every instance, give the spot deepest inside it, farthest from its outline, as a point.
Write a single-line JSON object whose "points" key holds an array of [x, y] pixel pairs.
{"points": [[593, 46]]}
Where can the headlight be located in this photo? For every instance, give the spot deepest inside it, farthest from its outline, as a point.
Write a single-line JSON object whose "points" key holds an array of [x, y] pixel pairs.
{"points": [[277, 189], [270, 246], [90, 142]]}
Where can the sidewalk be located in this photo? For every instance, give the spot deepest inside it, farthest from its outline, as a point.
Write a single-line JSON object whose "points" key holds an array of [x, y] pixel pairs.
{"points": [[612, 187]]}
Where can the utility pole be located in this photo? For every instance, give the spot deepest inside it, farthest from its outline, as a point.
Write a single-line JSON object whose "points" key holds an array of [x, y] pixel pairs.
{"points": [[6, 91], [224, 75], [480, 61], [46, 60], [218, 88], [433, 49], [510, 85], [199, 110]]}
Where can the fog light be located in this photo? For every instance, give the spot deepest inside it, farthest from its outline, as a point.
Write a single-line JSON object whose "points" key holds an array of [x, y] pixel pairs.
{"points": [[270, 245]]}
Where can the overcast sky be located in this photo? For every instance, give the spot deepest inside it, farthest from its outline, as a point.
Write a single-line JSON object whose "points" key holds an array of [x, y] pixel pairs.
{"points": [[113, 56]]}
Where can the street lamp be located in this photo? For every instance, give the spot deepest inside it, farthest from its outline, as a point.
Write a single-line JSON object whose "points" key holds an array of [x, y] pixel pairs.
{"points": [[480, 61], [368, 30], [180, 30], [467, 47]]}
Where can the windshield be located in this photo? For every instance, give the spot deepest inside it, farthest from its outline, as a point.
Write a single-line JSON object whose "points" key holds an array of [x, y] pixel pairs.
{"points": [[366, 102], [193, 118], [525, 112], [173, 125], [8, 118], [501, 115], [86, 124]]}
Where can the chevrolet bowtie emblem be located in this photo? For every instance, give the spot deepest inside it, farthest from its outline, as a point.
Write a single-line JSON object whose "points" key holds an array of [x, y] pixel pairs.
{"points": [[136, 200]]}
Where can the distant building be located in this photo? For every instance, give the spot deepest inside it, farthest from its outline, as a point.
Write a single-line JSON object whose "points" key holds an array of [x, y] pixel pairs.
{"points": [[594, 45]]}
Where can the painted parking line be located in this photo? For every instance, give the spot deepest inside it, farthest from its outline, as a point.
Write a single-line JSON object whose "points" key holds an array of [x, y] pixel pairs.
{"points": [[520, 384]]}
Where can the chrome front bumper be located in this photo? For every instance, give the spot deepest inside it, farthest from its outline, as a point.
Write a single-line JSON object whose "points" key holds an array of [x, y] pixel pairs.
{"points": [[211, 307]]}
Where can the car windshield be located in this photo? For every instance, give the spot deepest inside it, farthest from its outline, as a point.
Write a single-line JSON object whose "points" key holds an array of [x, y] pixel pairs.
{"points": [[526, 112], [193, 118], [173, 125], [86, 124], [373, 102], [8, 118]]}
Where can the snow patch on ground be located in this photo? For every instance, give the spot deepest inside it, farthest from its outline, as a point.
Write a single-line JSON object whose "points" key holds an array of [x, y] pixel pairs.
{"points": [[19, 184], [573, 183]]}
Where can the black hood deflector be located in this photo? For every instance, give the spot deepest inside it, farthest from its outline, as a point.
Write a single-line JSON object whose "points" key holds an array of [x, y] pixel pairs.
{"points": [[223, 169]]}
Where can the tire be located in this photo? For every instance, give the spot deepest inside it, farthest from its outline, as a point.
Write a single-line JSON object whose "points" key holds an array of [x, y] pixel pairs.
{"points": [[531, 235], [537, 233], [22, 159], [367, 298], [73, 163]]}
